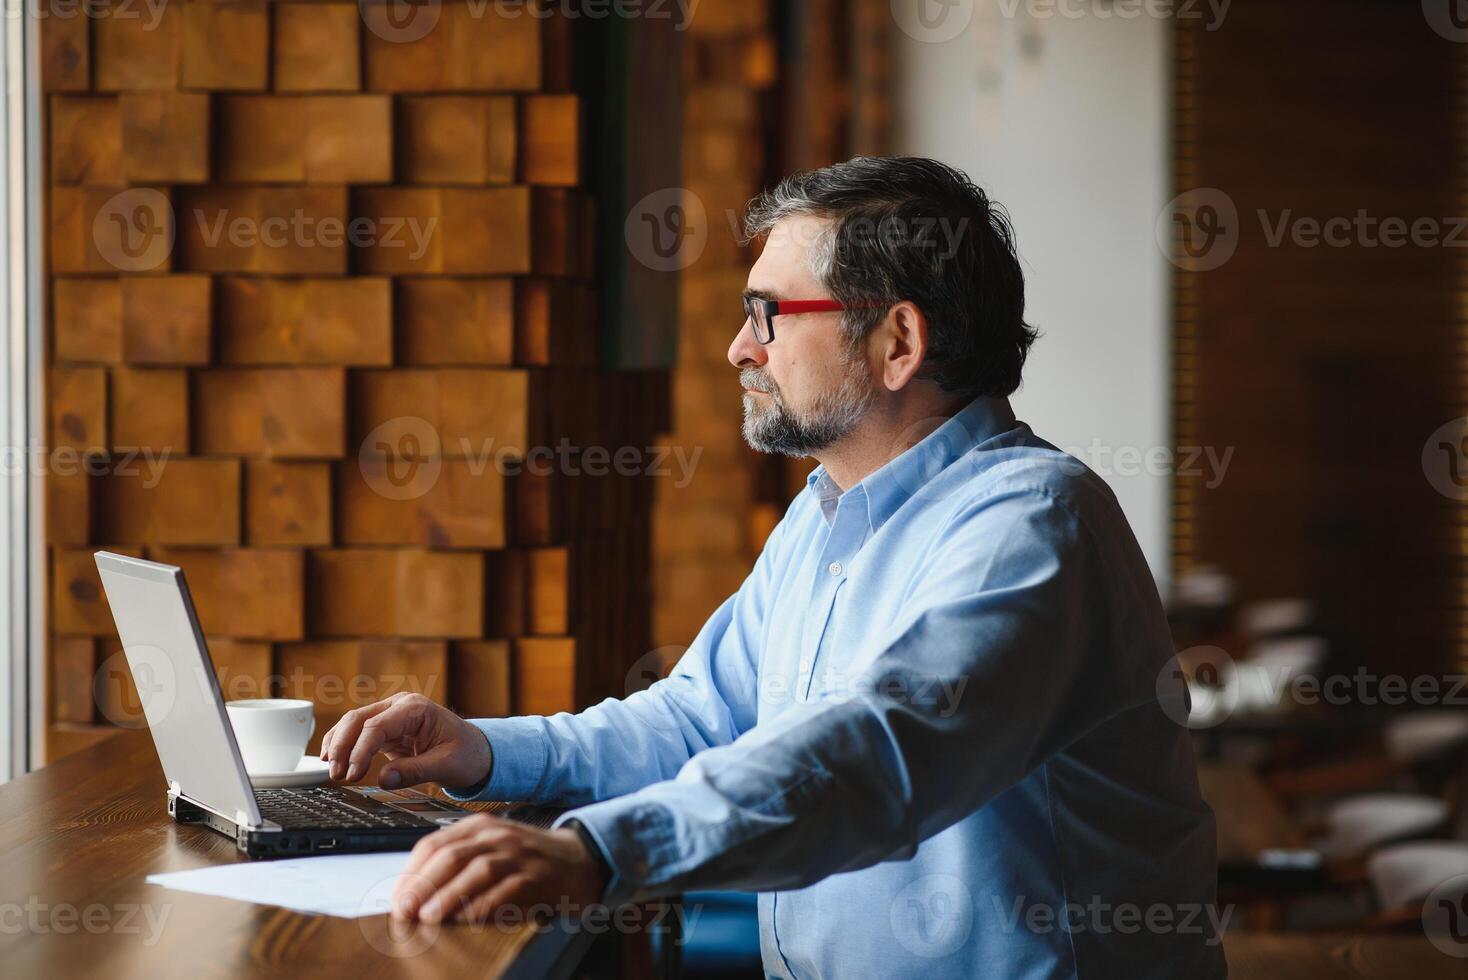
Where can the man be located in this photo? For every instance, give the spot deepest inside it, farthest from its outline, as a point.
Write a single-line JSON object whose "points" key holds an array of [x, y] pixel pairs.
{"points": [[926, 729]]}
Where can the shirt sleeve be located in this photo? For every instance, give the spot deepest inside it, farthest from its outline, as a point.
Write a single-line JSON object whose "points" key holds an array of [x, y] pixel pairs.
{"points": [[619, 746], [1006, 656]]}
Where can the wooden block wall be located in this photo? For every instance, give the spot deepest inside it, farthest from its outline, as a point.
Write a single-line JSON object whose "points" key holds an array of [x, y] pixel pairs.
{"points": [[707, 533], [739, 140], [379, 266]]}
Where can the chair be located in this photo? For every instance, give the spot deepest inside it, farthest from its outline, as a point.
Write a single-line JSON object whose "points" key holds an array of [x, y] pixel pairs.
{"points": [[1363, 823], [1275, 617], [1402, 878]]}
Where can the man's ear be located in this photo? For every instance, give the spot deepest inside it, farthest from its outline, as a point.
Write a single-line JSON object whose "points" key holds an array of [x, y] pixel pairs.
{"points": [[903, 344]]}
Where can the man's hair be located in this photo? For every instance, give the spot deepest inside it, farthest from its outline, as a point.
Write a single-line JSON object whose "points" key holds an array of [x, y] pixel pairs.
{"points": [[908, 228]]}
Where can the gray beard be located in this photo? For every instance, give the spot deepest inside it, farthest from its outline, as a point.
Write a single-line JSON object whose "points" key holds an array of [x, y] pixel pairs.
{"points": [[776, 428]]}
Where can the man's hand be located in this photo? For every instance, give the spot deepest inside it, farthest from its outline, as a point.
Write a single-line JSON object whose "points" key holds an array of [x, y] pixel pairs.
{"points": [[466, 871], [425, 742]]}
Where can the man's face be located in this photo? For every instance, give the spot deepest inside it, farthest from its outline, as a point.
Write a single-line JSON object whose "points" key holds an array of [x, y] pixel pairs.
{"points": [[807, 389]]}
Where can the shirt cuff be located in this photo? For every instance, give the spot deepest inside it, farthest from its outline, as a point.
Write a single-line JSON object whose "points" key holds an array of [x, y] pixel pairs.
{"points": [[639, 842], [518, 754]]}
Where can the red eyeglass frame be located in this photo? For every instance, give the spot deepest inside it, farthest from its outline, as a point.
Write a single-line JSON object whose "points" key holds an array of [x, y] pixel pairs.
{"points": [[772, 308]]}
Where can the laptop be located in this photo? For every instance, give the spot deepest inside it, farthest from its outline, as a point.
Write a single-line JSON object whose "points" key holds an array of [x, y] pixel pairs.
{"points": [[207, 782]]}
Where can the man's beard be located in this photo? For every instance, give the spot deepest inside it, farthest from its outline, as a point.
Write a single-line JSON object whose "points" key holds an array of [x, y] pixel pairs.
{"points": [[777, 428]]}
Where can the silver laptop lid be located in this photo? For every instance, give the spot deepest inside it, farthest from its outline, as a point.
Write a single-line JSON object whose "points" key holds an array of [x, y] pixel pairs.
{"points": [[176, 685]]}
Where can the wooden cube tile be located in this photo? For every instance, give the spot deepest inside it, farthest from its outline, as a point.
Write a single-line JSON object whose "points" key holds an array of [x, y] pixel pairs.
{"points": [[404, 231], [486, 231], [536, 506], [457, 139], [323, 673], [86, 140], [78, 605], [305, 321], [545, 675], [488, 411], [405, 49], [496, 48], [479, 414], [78, 403], [138, 52], [462, 506], [405, 667], [149, 413], [165, 137], [262, 139], [220, 230], [66, 63], [224, 46], [87, 319], [248, 593], [456, 322], [285, 413], [245, 668], [165, 319], [317, 47], [440, 593], [68, 500], [316, 139], [506, 576], [295, 230], [107, 230], [396, 592], [189, 502], [287, 503], [555, 323], [548, 582], [480, 679], [550, 144], [73, 663], [564, 233], [454, 47], [319, 248], [348, 139]]}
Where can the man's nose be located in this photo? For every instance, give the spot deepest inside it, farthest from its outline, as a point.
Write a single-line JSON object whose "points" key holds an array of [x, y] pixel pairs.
{"points": [[746, 350]]}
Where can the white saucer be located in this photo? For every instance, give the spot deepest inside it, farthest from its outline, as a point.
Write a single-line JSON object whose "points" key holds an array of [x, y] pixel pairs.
{"points": [[310, 772]]}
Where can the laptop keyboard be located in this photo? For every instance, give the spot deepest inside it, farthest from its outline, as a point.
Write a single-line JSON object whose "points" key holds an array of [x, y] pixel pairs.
{"points": [[329, 808]]}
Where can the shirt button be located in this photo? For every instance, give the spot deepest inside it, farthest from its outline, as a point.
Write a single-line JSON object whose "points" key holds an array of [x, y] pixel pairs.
{"points": [[834, 568]]}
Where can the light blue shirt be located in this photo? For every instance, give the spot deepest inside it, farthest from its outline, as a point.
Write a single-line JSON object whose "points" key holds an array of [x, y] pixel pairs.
{"points": [[926, 730]]}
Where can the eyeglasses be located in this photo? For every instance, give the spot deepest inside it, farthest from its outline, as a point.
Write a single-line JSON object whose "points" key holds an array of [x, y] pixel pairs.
{"points": [[762, 312]]}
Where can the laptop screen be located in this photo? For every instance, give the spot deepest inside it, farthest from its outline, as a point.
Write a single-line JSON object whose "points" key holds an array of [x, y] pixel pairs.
{"points": [[176, 684]]}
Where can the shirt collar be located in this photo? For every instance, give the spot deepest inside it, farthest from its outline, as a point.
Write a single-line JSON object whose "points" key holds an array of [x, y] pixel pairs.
{"points": [[889, 487]]}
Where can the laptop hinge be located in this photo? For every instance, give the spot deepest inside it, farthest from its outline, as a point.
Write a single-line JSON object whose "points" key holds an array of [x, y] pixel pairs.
{"points": [[182, 811]]}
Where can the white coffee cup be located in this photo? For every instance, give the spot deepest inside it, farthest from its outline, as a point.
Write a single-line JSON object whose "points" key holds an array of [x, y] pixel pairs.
{"points": [[272, 732]]}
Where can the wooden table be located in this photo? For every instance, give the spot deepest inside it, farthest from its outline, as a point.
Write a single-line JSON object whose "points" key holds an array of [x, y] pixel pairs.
{"points": [[1249, 818], [1279, 956], [78, 838]]}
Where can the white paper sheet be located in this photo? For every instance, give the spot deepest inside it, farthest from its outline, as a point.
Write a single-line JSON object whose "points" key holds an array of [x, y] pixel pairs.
{"points": [[346, 885]]}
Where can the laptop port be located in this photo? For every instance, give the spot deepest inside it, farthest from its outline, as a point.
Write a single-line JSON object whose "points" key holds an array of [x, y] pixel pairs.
{"points": [[326, 844]]}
